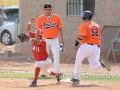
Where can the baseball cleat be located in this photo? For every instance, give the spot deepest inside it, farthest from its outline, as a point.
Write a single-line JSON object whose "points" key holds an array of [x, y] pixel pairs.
{"points": [[58, 76], [43, 75], [75, 80], [105, 65], [33, 84]]}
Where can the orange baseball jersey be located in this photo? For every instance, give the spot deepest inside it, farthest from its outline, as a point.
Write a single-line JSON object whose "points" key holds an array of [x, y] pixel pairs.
{"points": [[39, 51], [49, 26], [91, 32]]}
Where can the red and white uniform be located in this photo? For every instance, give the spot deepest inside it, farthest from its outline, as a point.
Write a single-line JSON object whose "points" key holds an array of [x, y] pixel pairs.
{"points": [[41, 56], [39, 51]]}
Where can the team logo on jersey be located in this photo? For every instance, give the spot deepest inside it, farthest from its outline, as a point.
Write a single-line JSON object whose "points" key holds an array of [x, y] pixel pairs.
{"points": [[94, 32], [49, 25]]}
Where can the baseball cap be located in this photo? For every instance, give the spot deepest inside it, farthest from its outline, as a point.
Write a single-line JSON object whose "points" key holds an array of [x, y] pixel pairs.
{"points": [[47, 6], [39, 31]]}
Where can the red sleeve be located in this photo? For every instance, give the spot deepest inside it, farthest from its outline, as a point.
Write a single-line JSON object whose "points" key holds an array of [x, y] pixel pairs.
{"points": [[31, 34], [82, 30]]}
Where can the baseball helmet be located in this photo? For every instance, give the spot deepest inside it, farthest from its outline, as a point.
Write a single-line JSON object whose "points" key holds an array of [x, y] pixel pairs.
{"points": [[87, 15], [39, 31]]}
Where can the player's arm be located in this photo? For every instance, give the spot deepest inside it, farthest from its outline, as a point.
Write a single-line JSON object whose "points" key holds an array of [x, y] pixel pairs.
{"points": [[28, 27], [81, 33], [61, 35], [33, 40], [59, 26], [80, 38]]}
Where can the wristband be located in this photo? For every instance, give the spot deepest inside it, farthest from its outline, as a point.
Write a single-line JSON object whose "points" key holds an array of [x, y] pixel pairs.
{"points": [[29, 22], [30, 39], [79, 38]]}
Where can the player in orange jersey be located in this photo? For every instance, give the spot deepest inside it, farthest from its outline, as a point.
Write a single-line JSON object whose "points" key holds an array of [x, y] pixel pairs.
{"points": [[40, 54], [89, 37], [52, 26]]}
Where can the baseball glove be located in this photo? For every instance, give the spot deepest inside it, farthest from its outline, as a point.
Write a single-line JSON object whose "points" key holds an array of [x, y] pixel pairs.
{"points": [[23, 37]]}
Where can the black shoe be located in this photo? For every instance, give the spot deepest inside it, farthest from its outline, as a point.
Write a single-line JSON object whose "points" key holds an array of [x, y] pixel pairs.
{"points": [[33, 84], [105, 65], [43, 75], [58, 77], [75, 80]]}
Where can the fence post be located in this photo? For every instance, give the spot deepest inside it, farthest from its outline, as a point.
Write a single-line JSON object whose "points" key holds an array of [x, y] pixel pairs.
{"points": [[16, 28]]}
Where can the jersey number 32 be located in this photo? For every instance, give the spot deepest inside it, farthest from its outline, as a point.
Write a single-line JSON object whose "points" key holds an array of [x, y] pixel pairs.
{"points": [[94, 32]]}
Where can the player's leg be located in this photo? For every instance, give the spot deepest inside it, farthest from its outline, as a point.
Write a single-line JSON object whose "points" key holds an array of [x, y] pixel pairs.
{"points": [[80, 56], [47, 45], [84, 51], [36, 74], [46, 72], [44, 69], [47, 48], [95, 61], [94, 58], [56, 54]]}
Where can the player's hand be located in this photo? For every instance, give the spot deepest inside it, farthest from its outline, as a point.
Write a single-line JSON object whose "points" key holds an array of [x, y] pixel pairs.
{"points": [[76, 44], [32, 19], [62, 41]]}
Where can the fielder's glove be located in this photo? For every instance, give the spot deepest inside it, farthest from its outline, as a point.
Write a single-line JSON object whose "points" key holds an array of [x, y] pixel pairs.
{"points": [[23, 37], [76, 44]]}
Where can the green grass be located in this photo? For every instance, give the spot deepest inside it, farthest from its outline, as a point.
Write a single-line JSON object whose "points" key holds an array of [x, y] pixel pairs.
{"points": [[22, 76], [98, 77], [102, 78], [16, 75]]}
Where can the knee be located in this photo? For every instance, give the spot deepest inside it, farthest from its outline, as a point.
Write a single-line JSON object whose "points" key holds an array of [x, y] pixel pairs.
{"points": [[37, 64], [46, 72], [95, 66]]}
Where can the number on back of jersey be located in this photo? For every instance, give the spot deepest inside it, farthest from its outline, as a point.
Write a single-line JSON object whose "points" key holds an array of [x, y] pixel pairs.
{"points": [[94, 32]]}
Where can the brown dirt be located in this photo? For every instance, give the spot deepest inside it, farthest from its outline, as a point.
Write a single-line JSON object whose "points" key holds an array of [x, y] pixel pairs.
{"points": [[24, 65], [23, 84], [19, 63]]}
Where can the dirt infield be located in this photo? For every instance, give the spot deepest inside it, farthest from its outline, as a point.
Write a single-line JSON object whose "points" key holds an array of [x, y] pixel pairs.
{"points": [[22, 64], [26, 64], [23, 84]]}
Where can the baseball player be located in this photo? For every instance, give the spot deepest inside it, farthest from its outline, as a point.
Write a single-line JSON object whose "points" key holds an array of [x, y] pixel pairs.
{"points": [[40, 54], [51, 25], [89, 37]]}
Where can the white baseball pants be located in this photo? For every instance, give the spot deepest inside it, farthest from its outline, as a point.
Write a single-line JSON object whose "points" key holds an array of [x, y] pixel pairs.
{"points": [[92, 53], [53, 44], [44, 65]]}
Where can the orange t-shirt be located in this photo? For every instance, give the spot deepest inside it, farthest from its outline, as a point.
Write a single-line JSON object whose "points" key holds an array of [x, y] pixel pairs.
{"points": [[50, 25], [91, 32]]}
